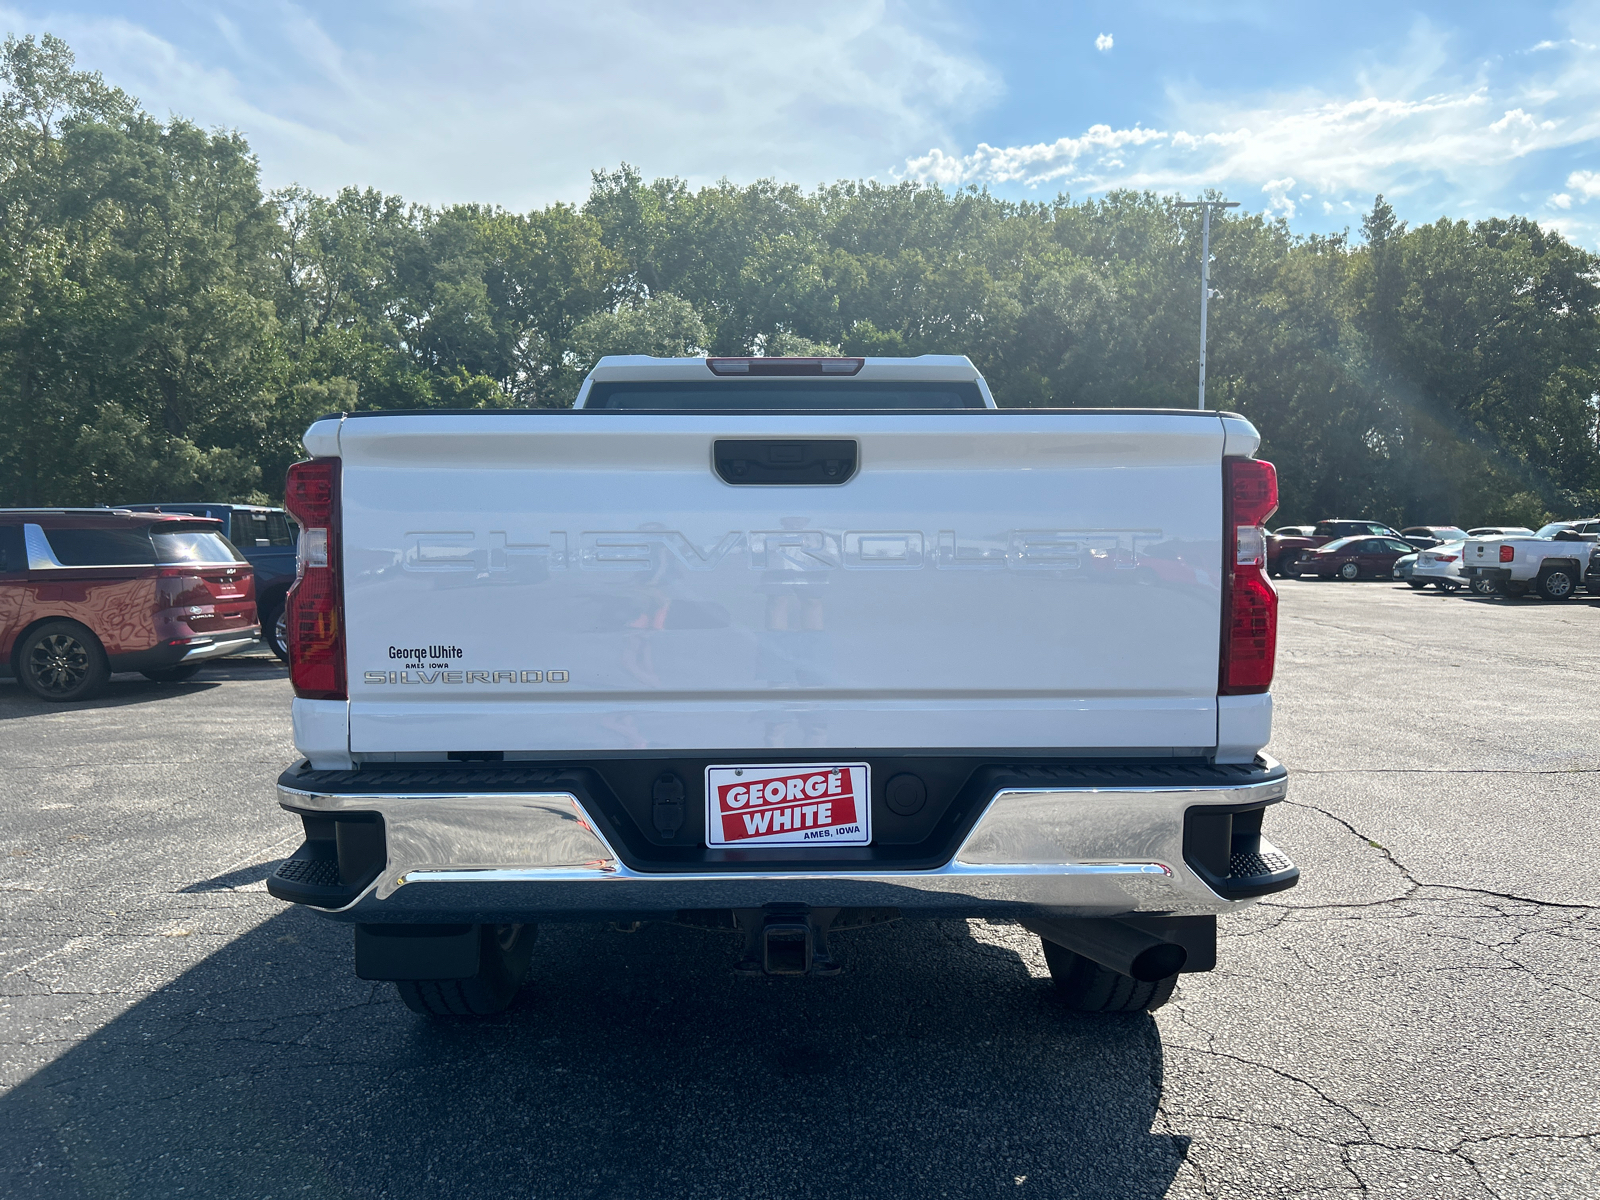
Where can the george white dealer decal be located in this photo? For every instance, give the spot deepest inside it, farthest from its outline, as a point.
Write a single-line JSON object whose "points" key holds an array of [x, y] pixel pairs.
{"points": [[424, 667]]}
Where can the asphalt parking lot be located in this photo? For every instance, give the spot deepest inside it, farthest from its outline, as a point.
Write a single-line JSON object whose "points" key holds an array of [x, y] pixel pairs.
{"points": [[1421, 1017]]}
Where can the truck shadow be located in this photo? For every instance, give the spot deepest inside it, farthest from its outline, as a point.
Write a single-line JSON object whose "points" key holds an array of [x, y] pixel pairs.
{"points": [[123, 690], [127, 688], [632, 1065]]}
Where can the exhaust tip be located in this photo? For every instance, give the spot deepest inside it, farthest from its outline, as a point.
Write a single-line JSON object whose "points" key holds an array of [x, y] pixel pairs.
{"points": [[1159, 961]]}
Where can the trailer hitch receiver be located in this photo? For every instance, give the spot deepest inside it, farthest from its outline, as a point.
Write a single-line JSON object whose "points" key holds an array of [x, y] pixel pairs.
{"points": [[786, 939]]}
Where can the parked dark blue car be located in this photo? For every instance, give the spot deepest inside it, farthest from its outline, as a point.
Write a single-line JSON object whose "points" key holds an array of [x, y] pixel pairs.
{"points": [[266, 537]]}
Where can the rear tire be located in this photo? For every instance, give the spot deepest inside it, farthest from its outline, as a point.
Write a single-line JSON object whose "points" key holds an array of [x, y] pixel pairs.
{"points": [[1481, 586], [503, 958], [1419, 584], [275, 629], [1557, 584], [172, 674], [61, 661], [1083, 985], [1289, 566]]}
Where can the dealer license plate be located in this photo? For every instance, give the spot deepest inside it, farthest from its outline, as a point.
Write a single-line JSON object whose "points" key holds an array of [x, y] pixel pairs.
{"points": [[788, 804]]}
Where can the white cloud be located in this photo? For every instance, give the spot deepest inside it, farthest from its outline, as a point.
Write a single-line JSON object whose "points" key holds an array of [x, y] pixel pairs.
{"points": [[1549, 45], [1030, 164], [1586, 183], [1103, 43], [1278, 200], [445, 100], [1409, 130], [1561, 200]]}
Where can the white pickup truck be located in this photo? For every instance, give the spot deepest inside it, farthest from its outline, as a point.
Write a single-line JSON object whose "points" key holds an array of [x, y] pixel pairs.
{"points": [[1551, 562], [784, 647]]}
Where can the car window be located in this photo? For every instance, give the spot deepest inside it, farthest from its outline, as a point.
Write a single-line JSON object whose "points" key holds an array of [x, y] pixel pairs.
{"points": [[278, 530], [1326, 529], [13, 549], [1450, 533], [248, 528], [1339, 544], [1402, 547], [182, 546], [1552, 530], [1381, 529], [101, 547]]}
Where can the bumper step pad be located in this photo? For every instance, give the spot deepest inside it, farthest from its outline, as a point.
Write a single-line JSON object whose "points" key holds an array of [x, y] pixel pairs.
{"points": [[312, 872]]}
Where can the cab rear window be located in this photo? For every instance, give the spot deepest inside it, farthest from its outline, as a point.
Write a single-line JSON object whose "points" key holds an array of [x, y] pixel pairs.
{"points": [[773, 395], [101, 547], [178, 547]]}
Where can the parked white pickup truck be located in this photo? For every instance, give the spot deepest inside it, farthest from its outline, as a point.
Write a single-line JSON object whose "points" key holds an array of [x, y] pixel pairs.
{"points": [[784, 647], [1551, 563]]}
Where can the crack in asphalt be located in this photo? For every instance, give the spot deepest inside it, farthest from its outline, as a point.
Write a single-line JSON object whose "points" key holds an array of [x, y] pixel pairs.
{"points": [[1416, 884], [1344, 1146]]}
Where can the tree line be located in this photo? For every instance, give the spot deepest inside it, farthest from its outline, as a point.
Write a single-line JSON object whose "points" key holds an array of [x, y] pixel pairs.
{"points": [[168, 329]]}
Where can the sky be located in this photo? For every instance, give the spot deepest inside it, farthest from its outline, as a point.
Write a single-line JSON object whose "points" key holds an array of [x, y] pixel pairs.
{"points": [[1303, 111]]}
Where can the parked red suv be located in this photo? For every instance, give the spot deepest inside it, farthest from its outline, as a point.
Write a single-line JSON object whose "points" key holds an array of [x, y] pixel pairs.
{"points": [[85, 592]]}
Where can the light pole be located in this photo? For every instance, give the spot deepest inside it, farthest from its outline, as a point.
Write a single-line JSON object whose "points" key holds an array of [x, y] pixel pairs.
{"points": [[1205, 207]]}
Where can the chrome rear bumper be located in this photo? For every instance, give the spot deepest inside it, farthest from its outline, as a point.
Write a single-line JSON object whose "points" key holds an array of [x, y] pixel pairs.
{"points": [[1069, 851]]}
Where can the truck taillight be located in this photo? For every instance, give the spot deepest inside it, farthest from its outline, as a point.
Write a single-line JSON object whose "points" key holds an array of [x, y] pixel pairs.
{"points": [[1250, 603], [1508, 553], [785, 366], [314, 609]]}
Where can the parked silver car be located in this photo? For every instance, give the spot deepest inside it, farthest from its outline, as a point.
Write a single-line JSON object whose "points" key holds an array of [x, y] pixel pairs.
{"points": [[1403, 568], [1439, 566]]}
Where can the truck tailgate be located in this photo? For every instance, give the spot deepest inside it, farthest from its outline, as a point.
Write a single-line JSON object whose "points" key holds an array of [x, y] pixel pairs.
{"points": [[571, 582]]}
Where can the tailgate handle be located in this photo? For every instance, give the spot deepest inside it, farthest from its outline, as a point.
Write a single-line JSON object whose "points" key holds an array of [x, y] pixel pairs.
{"points": [[792, 462]]}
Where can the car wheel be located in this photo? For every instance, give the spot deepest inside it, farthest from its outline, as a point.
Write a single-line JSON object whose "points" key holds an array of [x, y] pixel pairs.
{"points": [[1481, 586], [1085, 986], [1419, 584], [275, 629], [1349, 571], [62, 661], [1556, 584], [1289, 568], [503, 961], [172, 674]]}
